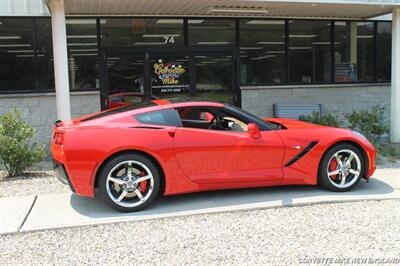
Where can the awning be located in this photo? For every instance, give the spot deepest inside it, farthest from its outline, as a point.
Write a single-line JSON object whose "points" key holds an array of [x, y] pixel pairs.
{"points": [[340, 9]]}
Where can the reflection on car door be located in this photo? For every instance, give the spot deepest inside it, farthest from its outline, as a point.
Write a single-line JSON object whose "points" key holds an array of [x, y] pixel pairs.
{"points": [[215, 156]]}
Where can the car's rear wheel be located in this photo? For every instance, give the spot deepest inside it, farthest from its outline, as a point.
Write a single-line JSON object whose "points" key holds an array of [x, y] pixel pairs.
{"points": [[341, 168], [129, 182]]}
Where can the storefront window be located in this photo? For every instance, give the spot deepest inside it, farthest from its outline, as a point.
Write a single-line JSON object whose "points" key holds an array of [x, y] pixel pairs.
{"points": [[309, 51], [44, 49], [384, 51], [141, 32], [354, 51], [83, 54], [208, 32], [17, 68], [262, 51], [214, 77], [365, 51]]}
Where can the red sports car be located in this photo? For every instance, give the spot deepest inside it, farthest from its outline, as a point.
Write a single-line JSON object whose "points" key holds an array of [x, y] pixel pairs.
{"points": [[129, 155]]}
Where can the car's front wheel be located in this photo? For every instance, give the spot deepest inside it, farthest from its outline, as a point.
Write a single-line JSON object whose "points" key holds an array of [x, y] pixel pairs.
{"points": [[341, 168], [129, 182]]}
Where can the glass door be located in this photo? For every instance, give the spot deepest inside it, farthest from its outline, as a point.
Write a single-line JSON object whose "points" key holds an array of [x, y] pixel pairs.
{"points": [[126, 80], [132, 77], [214, 78], [193, 76], [170, 76]]}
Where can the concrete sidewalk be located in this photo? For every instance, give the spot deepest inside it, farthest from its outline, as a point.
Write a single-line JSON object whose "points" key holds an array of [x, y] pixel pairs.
{"points": [[13, 213], [67, 210]]}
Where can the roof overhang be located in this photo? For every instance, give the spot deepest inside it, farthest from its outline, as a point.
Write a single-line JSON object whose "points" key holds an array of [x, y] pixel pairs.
{"points": [[326, 9]]}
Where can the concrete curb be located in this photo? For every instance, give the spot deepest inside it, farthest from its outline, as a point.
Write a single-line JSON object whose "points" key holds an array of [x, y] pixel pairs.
{"points": [[56, 211]]}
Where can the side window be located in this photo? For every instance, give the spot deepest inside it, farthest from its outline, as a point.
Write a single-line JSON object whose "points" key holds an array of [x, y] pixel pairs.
{"points": [[231, 122], [197, 117], [166, 117], [211, 118]]}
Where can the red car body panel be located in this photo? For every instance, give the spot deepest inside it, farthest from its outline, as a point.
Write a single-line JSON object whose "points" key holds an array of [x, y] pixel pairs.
{"points": [[118, 99], [198, 160]]}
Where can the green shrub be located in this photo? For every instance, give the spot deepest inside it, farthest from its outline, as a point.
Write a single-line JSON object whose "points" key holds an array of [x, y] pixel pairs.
{"points": [[17, 149], [325, 120], [369, 123], [387, 150]]}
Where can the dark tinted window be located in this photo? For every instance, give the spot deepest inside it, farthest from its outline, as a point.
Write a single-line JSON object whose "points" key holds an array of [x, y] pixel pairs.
{"points": [[384, 50], [44, 48], [166, 117], [82, 53], [354, 51], [208, 32], [262, 51], [17, 59], [309, 51], [141, 32]]}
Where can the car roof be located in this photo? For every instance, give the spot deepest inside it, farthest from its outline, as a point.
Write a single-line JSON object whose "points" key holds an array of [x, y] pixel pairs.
{"points": [[151, 106], [177, 104]]}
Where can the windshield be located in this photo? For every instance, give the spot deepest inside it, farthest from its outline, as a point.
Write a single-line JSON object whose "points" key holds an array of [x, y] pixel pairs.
{"points": [[264, 125]]}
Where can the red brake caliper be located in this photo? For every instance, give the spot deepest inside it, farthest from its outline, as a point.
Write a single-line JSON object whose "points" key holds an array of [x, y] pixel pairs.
{"points": [[143, 185], [333, 167]]}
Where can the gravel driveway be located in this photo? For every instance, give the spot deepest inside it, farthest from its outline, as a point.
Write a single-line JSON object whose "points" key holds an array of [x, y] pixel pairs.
{"points": [[33, 183], [272, 236]]}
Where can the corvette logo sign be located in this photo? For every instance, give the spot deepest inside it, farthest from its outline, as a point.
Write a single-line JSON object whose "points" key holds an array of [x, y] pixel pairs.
{"points": [[168, 73]]}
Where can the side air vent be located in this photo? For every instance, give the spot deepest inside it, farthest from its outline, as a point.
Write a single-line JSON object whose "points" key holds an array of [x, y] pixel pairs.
{"points": [[302, 153]]}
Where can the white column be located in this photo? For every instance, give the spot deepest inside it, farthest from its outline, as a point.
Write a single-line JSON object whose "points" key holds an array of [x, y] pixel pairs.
{"points": [[60, 59], [395, 105]]}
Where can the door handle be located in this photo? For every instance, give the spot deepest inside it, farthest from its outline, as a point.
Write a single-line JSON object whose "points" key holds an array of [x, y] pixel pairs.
{"points": [[297, 147], [171, 133]]}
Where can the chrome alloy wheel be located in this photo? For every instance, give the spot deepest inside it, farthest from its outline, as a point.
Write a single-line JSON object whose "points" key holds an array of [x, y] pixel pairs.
{"points": [[130, 183], [344, 168]]}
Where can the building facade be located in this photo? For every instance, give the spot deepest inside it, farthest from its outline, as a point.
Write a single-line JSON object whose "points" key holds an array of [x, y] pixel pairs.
{"points": [[337, 57]]}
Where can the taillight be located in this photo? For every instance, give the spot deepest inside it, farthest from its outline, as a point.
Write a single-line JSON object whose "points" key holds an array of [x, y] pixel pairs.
{"points": [[58, 138]]}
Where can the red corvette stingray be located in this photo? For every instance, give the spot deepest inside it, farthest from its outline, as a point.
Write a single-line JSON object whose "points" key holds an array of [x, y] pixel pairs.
{"points": [[134, 153]]}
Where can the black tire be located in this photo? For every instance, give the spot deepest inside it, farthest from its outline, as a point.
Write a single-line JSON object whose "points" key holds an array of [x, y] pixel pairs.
{"points": [[102, 182], [323, 178]]}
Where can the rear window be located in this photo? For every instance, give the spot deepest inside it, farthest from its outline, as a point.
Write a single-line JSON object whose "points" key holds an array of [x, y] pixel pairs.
{"points": [[121, 110], [165, 117]]}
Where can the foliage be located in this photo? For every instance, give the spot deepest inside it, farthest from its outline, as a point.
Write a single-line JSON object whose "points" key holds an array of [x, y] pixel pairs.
{"points": [[18, 150], [325, 120], [388, 150], [369, 123]]}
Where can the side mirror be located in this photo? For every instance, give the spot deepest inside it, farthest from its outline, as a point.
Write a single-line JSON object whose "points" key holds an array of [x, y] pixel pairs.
{"points": [[254, 131]]}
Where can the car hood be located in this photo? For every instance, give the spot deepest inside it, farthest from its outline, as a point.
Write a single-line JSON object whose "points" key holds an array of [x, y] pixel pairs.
{"points": [[287, 123]]}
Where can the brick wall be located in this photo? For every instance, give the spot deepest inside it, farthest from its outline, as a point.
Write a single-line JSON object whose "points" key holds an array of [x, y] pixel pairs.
{"points": [[40, 109], [335, 99]]}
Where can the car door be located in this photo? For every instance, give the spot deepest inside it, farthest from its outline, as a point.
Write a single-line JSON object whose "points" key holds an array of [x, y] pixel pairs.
{"points": [[217, 156]]}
